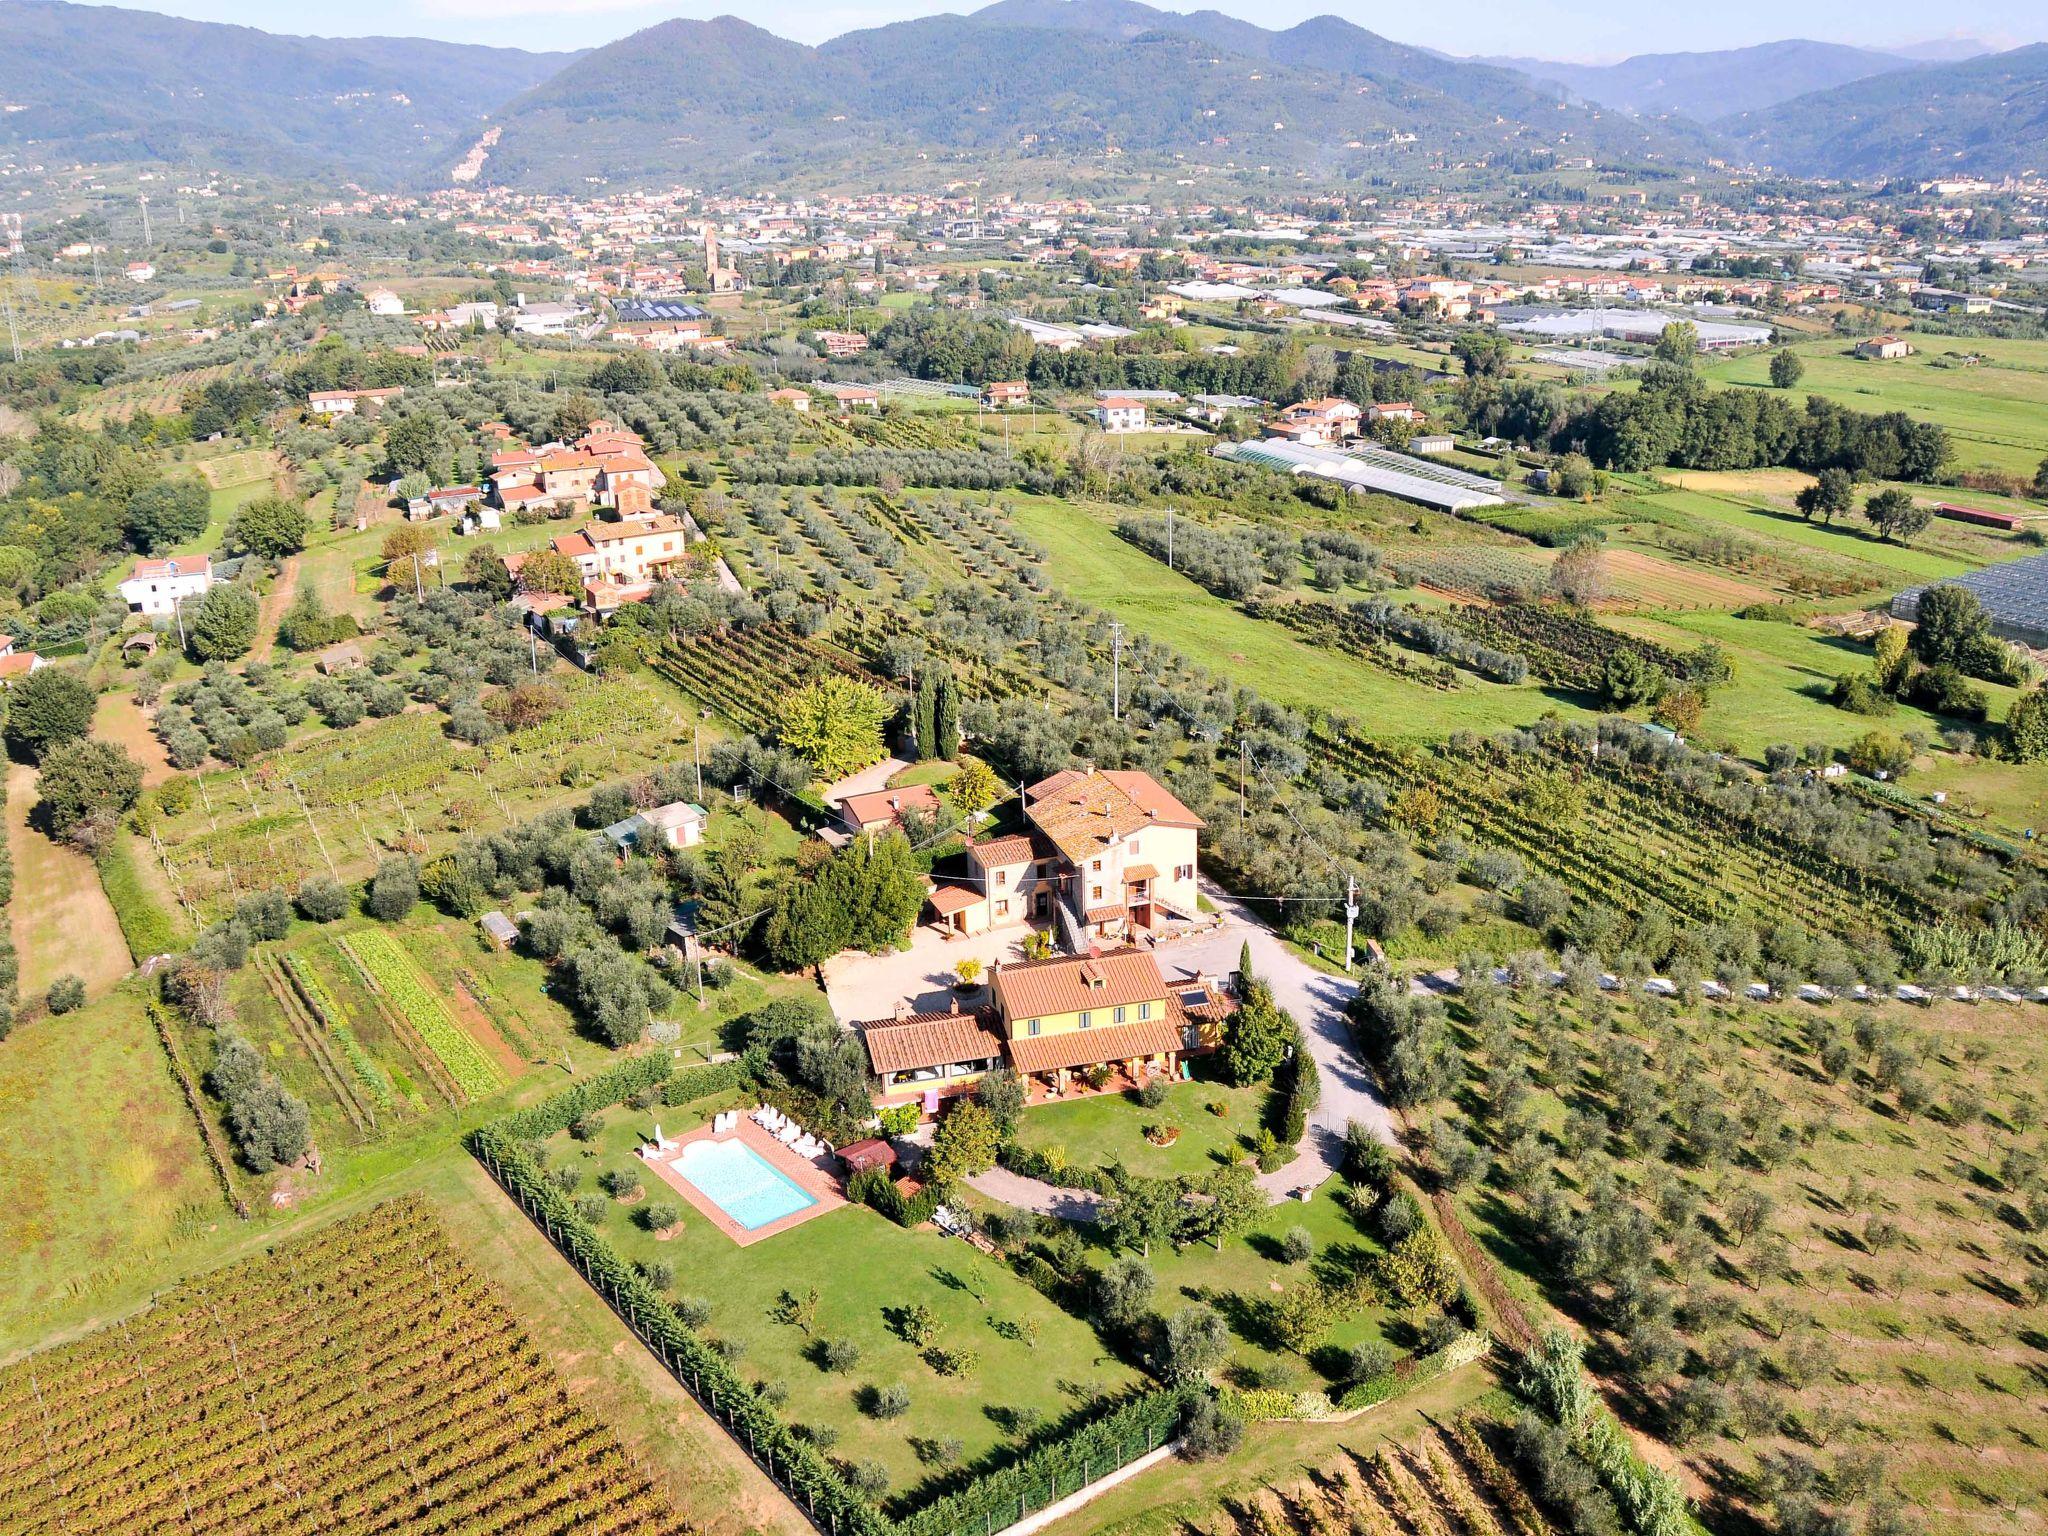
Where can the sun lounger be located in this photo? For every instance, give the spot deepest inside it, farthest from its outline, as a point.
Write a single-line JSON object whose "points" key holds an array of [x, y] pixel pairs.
{"points": [[788, 1134]]}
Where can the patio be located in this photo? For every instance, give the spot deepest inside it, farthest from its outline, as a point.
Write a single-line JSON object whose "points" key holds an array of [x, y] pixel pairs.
{"points": [[807, 1176]]}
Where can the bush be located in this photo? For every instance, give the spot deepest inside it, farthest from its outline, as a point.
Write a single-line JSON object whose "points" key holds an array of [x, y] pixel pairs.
{"points": [[1211, 1431], [1298, 1245], [891, 1402], [1153, 1094], [659, 1217], [322, 899], [66, 993], [396, 889], [839, 1355]]}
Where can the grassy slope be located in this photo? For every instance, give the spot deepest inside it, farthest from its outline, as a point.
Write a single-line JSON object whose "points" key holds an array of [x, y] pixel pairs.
{"points": [[1997, 412], [102, 1167], [1092, 565]]}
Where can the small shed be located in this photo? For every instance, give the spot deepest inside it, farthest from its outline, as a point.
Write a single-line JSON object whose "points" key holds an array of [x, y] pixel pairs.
{"points": [[142, 640], [345, 657], [502, 932], [860, 1156]]}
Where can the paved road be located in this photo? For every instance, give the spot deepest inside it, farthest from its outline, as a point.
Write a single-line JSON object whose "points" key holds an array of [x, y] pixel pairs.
{"points": [[1317, 1002]]}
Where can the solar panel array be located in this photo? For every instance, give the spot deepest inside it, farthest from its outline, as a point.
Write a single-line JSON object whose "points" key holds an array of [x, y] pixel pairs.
{"points": [[640, 311]]}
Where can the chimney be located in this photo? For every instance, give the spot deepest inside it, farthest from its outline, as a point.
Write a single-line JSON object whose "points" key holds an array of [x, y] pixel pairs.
{"points": [[902, 1009], [953, 1002]]}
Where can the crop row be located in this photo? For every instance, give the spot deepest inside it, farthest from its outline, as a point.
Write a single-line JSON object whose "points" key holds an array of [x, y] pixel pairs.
{"points": [[361, 1379], [1562, 647], [399, 980]]}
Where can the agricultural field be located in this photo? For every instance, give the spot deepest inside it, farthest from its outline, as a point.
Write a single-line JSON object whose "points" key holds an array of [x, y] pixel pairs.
{"points": [[1797, 1236], [1996, 410], [337, 801], [363, 1377]]}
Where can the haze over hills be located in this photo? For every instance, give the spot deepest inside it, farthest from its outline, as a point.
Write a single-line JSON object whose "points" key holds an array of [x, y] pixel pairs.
{"points": [[1981, 117], [724, 102], [1052, 86], [101, 84], [1705, 86]]}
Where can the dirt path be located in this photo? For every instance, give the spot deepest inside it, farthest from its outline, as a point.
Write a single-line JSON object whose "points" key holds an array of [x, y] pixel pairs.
{"points": [[275, 603], [121, 720], [63, 923]]}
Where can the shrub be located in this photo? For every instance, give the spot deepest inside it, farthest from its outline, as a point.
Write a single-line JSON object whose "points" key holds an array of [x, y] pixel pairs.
{"points": [[1153, 1094], [891, 1402], [322, 899], [658, 1217], [1298, 1245], [839, 1355], [66, 993]]}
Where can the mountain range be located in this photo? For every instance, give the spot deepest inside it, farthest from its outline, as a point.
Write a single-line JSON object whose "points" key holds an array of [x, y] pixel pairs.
{"points": [[101, 84], [1046, 87]]}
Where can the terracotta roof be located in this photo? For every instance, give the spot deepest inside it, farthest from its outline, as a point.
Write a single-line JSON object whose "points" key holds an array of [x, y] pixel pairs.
{"points": [[177, 565], [931, 1040], [948, 899], [1086, 1047], [1080, 812], [615, 533], [1139, 872], [1014, 849], [574, 545], [520, 493], [1035, 989], [871, 1152], [886, 804], [18, 663]]}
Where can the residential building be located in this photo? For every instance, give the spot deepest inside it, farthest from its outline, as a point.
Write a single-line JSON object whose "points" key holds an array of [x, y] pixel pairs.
{"points": [[155, 588], [679, 824], [15, 665], [1884, 347], [382, 301], [1053, 1022], [1110, 854], [1318, 422], [879, 810], [999, 393], [798, 400], [1119, 413], [841, 343], [1394, 410], [856, 397], [346, 402]]}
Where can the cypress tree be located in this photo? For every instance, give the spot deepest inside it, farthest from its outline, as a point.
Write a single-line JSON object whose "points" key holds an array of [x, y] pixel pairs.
{"points": [[945, 717], [924, 715]]}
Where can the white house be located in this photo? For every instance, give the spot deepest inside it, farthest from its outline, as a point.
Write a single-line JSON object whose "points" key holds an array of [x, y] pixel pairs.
{"points": [[1119, 413], [156, 587], [383, 301]]}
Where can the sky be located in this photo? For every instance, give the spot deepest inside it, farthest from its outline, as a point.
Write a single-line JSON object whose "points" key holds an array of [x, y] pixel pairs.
{"points": [[1572, 30]]}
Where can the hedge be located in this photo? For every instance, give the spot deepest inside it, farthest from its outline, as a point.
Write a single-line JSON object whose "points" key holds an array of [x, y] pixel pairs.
{"points": [[146, 926], [1304, 1092], [874, 1188], [1029, 1163], [998, 1498], [984, 1503], [1413, 1372]]}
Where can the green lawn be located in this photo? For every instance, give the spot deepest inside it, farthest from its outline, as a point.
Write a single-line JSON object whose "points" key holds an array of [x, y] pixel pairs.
{"points": [[1849, 537], [865, 1268], [1091, 564], [1105, 1129], [100, 1159], [1997, 412]]}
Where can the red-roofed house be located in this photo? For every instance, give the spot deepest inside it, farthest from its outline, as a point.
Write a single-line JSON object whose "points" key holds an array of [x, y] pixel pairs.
{"points": [[881, 809]]}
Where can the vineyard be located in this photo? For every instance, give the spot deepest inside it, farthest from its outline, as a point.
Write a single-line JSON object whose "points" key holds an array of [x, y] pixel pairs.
{"points": [[742, 673], [1561, 647], [362, 1379], [1326, 624], [1452, 1481], [1635, 848]]}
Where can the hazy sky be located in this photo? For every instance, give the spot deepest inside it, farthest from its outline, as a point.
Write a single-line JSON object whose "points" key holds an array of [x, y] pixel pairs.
{"points": [[1557, 29]]}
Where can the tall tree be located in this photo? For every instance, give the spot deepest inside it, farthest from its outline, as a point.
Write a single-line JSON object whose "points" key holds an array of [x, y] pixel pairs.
{"points": [[49, 707]]}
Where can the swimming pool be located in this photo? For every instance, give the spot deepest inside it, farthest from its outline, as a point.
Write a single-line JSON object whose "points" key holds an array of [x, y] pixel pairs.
{"points": [[741, 1182]]}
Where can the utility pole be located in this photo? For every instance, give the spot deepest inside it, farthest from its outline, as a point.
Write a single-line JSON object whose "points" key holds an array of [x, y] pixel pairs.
{"points": [[532, 649], [1169, 538], [13, 336], [697, 761], [1243, 756], [1350, 916], [178, 613], [145, 223], [1116, 669]]}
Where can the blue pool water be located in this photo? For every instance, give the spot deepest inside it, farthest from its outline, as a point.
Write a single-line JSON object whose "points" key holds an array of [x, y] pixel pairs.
{"points": [[741, 1182]]}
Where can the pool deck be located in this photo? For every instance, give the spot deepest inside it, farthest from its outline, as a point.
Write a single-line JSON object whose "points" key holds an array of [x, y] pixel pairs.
{"points": [[809, 1177]]}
